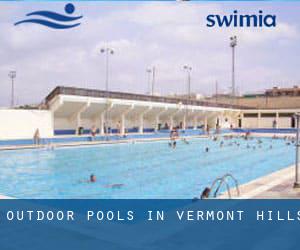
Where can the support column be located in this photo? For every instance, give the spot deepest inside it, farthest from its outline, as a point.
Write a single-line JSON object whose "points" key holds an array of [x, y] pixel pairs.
{"points": [[77, 116], [156, 122], [171, 122], [123, 119], [101, 128], [157, 118], [258, 119], [277, 120], [184, 122], [195, 123], [78, 122], [205, 123], [141, 119], [141, 124]]}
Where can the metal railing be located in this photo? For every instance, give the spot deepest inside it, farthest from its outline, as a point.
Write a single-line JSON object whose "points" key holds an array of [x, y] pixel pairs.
{"points": [[60, 90], [220, 182]]}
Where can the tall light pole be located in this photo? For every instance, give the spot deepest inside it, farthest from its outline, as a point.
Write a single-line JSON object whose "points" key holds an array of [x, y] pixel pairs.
{"points": [[153, 79], [233, 44], [107, 51], [217, 91], [149, 72], [153, 72], [188, 69], [12, 75], [297, 182]]}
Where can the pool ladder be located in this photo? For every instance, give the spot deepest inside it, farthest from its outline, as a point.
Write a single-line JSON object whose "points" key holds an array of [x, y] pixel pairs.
{"points": [[223, 180]]}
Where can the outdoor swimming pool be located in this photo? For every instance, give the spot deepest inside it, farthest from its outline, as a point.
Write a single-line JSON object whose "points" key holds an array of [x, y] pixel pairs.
{"points": [[147, 170]]}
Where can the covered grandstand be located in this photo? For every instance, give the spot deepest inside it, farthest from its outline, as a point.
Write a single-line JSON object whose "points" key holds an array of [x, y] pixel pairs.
{"points": [[75, 108]]}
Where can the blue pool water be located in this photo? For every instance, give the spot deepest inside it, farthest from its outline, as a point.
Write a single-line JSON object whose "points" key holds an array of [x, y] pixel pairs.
{"points": [[147, 170]]}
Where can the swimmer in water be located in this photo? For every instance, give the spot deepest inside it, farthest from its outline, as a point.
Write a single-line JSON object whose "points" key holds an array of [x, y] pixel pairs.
{"points": [[185, 141], [248, 146], [174, 144], [117, 185], [92, 178], [205, 193], [207, 149]]}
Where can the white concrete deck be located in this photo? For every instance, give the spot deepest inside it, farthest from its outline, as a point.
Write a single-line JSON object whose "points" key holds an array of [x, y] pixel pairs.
{"points": [[277, 185]]}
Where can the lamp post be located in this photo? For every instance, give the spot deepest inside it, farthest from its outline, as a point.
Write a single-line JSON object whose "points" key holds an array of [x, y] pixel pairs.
{"points": [[107, 51], [12, 75], [153, 72], [217, 91], [188, 69], [297, 182], [149, 72], [153, 79], [233, 44]]}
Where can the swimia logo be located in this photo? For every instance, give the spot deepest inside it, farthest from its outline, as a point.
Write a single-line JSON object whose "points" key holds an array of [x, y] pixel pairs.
{"points": [[52, 19], [239, 20]]}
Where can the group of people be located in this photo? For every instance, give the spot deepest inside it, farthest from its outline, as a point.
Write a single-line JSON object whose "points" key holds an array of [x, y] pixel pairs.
{"points": [[106, 130], [174, 135], [258, 143]]}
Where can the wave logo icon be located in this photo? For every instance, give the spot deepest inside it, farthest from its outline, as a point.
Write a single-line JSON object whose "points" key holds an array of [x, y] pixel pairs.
{"points": [[53, 20]]}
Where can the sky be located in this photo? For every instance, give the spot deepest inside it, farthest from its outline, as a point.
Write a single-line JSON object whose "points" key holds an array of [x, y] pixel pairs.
{"points": [[166, 35]]}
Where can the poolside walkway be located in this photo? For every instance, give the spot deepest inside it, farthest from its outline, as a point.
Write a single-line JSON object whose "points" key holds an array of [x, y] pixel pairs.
{"points": [[100, 142], [278, 185]]}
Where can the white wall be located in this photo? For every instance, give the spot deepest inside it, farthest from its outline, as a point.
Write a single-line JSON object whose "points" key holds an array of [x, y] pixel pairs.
{"points": [[22, 124], [284, 122], [266, 122], [64, 123], [249, 122]]}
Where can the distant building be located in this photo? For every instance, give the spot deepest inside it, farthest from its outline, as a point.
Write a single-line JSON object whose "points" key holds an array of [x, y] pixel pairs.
{"points": [[274, 92], [193, 96]]}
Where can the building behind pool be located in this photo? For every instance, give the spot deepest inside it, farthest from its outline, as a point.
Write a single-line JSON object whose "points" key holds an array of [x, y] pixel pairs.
{"points": [[71, 111]]}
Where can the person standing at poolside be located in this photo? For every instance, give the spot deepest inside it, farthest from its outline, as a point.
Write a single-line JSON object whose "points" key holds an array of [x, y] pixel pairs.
{"points": [[205, 194], [274, 124], [36, 137], [93, 131], [119, 127], [104, 128]]}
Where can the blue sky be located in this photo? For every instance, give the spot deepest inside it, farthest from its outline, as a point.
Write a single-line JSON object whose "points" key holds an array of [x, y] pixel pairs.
{"points": [[167, 35]]}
